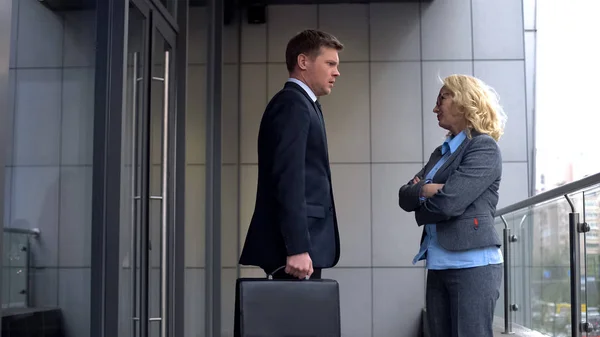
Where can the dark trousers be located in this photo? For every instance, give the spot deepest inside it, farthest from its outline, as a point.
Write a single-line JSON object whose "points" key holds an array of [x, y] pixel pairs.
{"points": [[281, 275], [461, 302]]}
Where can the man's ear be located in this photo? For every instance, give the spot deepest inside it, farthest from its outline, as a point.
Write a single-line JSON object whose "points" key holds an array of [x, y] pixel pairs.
{"points": [[302, 60]]}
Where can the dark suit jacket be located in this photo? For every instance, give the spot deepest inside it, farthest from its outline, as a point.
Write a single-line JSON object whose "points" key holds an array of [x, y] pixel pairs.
{"points": [[464, 209], [294, 211]]}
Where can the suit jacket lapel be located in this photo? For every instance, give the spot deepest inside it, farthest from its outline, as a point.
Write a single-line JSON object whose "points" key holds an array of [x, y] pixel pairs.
{"points": [[322, 119], [317, 108], [453, 156], [435, 157], [301, 90]]}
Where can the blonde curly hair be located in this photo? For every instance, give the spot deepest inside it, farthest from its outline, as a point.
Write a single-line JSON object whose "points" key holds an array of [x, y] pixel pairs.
{"points": [[479, 103]]}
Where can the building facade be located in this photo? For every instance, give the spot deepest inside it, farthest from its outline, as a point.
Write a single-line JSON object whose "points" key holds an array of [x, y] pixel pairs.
{"points": [[130, 131]]}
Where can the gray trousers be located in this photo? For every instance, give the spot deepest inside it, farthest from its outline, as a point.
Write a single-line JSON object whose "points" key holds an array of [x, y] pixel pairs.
{"points": [[461, 302]]}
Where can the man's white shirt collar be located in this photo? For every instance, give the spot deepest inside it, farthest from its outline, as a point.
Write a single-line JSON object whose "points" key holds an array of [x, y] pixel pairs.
{"points": [[310, 93]]}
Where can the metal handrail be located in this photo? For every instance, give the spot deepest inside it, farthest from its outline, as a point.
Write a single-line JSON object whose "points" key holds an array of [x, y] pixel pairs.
{"points": [[35, 232], [552, 194]]}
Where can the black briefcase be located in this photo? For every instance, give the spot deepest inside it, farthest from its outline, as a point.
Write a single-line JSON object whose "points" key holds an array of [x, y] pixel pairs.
{"points": [[287, 308]]}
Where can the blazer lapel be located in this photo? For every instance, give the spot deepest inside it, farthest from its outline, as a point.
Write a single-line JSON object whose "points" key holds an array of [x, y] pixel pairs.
{"points": [[322, 119], [317, 108], [435, 157], [453, 156]]}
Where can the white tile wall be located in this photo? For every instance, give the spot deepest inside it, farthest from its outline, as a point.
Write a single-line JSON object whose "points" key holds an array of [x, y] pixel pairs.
{"points": [[73, 294], [394, 32], [37, 112], [254, 42], [356, 299], [508, 79], [253, 96], [395, 233], [446, 30], [194, 216], [77, 117], [381, 130], [497, 29], [79, 39], [230, 118], [74, 230], [398, 296], [195, 132], [49, 178], [355, 220], [396, 112], [514, 185], [248, 178], [40, 36]]}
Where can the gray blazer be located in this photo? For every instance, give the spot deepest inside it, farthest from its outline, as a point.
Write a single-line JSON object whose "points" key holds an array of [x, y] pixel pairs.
{"points": [[463, 210]]}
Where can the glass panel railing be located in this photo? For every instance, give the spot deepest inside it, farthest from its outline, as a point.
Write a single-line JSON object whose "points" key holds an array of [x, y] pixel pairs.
{"points": [[554, 262], [540, 273], [16, 267]]}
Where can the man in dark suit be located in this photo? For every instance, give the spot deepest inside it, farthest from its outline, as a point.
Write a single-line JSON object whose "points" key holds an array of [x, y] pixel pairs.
{"points": [[294, 222]]}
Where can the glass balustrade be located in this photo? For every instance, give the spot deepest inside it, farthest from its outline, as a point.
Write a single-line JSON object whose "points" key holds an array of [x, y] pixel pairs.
{"points": [[544, 255], [16, 268]]}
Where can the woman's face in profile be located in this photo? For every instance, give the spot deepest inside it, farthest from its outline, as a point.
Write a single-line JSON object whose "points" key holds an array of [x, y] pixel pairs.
{"points": [[448, 115]]}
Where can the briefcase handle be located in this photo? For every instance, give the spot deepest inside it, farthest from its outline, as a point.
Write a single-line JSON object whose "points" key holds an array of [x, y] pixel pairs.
{"points": [[270, 275]]}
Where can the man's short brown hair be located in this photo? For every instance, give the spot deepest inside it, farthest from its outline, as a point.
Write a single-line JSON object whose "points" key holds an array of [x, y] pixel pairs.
{"points": [[309, 42]]}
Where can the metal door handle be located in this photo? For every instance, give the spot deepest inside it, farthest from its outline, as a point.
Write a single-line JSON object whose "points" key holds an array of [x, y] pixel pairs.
{"points": [[134, 199], [165, 178]]}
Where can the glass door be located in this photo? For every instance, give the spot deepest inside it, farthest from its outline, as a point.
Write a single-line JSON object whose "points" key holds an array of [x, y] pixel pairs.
{"points": [[146, 207]]}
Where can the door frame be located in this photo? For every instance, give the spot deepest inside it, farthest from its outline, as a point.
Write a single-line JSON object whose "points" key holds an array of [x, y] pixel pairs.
{"points": [[5, 44], [111, 30], [214, 80]]}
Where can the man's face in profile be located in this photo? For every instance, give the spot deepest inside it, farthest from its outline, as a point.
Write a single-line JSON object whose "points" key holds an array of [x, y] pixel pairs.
{"points": [[322, 71]]}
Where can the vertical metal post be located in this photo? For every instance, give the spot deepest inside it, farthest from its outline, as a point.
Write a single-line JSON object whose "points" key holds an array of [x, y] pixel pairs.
{"points": [[507, 278], [164, 272], [575, 228], [135, 197], [28, 287], [575, 274], [507, 283]]}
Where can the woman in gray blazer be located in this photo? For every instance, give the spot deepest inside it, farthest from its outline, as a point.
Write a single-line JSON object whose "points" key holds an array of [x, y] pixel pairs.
{"points": [[454, 197]]}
